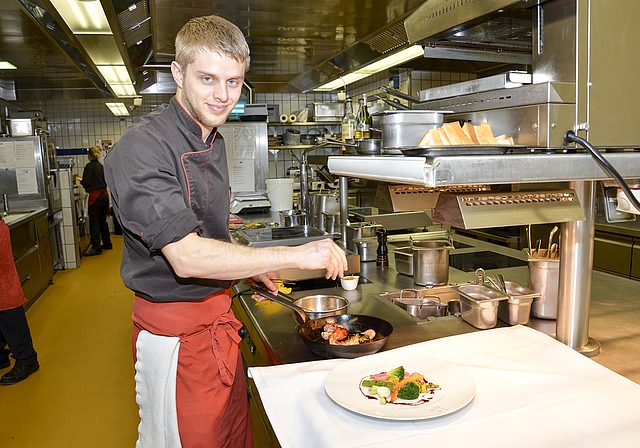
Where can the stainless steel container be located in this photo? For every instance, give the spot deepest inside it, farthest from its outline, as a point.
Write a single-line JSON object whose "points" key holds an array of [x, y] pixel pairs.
{"points": [[517, 308], [405, 128], [404, 260], [290, 218], [357, 230], [479, 305], [424, 307], [367, 248], [331, 222], [323, 203], [431, 262], [326, 111], [544, 278]]}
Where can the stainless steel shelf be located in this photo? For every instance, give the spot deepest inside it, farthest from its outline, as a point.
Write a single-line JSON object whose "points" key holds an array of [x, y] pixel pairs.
{"points": [[491, 169]]}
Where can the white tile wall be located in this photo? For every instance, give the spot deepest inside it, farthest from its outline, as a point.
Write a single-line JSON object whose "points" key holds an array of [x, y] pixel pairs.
{"points": [[80, 123]]}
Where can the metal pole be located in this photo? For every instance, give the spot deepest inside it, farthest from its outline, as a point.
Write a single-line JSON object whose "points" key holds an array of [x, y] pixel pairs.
{"points": [[344, 208], [304, 188], [576, 264]]}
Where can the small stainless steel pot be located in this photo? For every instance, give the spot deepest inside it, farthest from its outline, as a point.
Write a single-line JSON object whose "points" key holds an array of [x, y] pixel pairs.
{"points": [[291, 218]]}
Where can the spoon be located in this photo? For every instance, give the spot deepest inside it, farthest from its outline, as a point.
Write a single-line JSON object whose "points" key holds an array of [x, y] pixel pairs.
{"points": [[553, 231]]}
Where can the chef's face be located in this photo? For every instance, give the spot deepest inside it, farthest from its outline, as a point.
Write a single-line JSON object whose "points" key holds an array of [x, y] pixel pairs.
{"points": [[209, 87]]}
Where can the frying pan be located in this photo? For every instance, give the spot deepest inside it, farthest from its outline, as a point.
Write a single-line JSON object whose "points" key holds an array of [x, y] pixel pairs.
{"points": [[310, 330]]}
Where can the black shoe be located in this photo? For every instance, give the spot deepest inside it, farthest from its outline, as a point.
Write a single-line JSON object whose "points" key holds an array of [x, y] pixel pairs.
{"points": [[19, 373], [106, 246], [92, 252], [5, 363]]}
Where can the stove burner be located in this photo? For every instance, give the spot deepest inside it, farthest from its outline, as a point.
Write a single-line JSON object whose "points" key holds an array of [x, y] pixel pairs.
{"points": [[487, 260]]}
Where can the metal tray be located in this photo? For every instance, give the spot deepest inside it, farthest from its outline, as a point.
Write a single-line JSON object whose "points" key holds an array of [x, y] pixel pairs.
{"points": [[459, 150]]}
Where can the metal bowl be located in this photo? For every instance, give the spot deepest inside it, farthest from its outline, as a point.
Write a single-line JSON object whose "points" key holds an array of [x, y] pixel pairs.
{"points": [[321, 305]]}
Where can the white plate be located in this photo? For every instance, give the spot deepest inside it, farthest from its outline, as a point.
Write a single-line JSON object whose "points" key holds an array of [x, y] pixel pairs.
{"points": [[457, 386]]}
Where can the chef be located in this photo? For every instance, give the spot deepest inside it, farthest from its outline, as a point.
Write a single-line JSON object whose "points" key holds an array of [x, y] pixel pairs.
{"points": [[169, 182]]}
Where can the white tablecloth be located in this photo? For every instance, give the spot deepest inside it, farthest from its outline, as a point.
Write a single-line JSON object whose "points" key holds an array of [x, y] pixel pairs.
{"points": [[532, 391]]}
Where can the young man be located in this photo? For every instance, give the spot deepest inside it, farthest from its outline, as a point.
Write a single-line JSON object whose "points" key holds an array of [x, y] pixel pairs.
{"points": [[170, 191]]}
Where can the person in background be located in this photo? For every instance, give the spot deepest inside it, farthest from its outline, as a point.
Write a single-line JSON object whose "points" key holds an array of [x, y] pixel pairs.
{"points": [[94, 184], [169, 181], [14, 329]]}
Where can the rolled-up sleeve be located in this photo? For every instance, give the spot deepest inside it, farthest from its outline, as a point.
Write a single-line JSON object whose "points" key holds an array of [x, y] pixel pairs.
{"points": [[148, 197]]}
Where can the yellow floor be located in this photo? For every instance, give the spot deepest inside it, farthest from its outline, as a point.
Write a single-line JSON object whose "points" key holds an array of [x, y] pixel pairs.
{"points": [[83, 395]]}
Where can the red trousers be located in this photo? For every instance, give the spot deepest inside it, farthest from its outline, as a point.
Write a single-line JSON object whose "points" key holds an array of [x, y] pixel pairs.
{"points": [[211, 392]]}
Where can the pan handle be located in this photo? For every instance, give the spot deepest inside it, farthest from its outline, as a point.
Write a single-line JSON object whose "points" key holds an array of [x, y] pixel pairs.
{"points": [[399, 94], [336, 142], [264, 293]]}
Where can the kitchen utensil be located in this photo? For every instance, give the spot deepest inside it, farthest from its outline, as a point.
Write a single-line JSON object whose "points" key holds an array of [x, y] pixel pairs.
{"points": [[544, 278], [501, 282], [290, 218], [517, 308], [479, 305], [310, 330], [291, 137], [431, 261], [422, 308], [553, 252], [405, 128], [404, 260], [365, 146], [367, 248], [529, 238], [553, 231], [350, 282]]}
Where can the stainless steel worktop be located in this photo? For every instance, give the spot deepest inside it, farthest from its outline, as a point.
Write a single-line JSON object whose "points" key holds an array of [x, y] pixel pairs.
{"points": [[278, 329], [615, 311]]}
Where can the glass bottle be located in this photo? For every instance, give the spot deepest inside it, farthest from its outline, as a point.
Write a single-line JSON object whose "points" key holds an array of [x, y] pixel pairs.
{"points": [[363, 119], [348, 122]]}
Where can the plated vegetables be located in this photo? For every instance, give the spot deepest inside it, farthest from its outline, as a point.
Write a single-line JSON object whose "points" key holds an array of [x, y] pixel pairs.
{"points": [[398, 387]]}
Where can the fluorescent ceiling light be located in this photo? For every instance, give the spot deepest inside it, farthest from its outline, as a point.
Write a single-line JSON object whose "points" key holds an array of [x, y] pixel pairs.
{"points": [[4, 65], [115, 74], [83, 17], [392, 60], [124, 90], [118, 109]]}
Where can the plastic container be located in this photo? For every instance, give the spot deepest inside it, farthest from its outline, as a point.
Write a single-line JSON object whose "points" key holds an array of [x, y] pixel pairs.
{"points": [[280, 193]]}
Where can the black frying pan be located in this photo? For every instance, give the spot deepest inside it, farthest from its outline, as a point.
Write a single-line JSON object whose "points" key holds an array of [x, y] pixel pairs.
{"points": [[310, 330]]}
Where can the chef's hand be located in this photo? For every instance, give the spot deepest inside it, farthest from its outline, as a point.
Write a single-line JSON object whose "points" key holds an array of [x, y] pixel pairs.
{"points": [[265, 281], [324, 254]]}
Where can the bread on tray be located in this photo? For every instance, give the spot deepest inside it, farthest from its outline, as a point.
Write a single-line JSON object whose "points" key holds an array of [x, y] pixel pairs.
{"points": [[469, 134]]}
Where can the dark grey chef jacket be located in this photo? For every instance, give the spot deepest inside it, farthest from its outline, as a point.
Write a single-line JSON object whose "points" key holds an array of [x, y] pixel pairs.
{"points": [[165, 183]]}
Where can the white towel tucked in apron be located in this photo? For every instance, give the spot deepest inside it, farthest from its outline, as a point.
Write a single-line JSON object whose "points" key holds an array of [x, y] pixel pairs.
{"points": [[156, 369]]}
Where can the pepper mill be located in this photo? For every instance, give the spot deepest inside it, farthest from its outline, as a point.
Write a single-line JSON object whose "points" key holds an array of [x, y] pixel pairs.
{"points": [[383, 252]]}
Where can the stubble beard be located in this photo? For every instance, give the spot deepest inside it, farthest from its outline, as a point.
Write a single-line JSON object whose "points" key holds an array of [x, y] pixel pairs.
{"points": [[197, 114]]}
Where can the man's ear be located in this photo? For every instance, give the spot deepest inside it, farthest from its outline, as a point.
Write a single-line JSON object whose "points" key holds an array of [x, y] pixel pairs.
{"points": [[176, 71]]}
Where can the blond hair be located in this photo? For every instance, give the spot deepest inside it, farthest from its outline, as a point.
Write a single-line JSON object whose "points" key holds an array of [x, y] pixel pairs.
{"points": [[94, 152], [212, 33]]}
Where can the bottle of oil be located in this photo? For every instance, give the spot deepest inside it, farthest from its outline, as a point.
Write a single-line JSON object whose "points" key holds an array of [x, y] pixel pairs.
{"points": [[363, 119], [348, 122]]}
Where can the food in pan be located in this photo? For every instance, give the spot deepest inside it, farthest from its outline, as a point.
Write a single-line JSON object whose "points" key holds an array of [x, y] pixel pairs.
{"points": [[453, 134], [338, 334], [398, 387]]}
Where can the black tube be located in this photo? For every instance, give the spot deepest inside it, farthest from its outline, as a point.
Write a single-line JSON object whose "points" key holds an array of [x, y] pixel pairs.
{"points": [[571, 137]]}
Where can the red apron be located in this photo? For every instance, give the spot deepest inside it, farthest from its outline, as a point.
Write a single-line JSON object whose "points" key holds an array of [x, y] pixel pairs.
{"points": [[11, 295], [211, 393]]}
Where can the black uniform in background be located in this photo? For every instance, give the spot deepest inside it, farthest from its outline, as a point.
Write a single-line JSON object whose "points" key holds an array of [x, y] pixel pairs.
{"points": [[94, 184]]}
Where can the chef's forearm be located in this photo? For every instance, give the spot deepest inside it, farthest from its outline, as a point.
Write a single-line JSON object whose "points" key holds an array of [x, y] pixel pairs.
{"points": [[194, 256]]}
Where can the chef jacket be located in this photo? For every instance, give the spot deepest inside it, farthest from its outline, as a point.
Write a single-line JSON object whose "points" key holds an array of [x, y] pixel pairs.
{"points": [[93, 177], [166, 183]]}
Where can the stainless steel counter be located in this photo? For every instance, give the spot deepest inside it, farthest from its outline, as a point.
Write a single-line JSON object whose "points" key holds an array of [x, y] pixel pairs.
{"points": [[615, 311], [278, 329]]}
